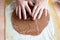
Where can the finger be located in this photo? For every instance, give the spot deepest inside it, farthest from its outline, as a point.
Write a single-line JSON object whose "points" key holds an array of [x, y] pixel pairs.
{"points": [[24, 12], [45, 12], [31, 3], [36, 13], [40, 13], [28, 9], [20, 13], [17, 10], [34, 9]]}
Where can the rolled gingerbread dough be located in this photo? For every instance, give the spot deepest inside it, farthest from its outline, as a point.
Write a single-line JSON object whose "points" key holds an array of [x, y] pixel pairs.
{"points": [[29, 27]]}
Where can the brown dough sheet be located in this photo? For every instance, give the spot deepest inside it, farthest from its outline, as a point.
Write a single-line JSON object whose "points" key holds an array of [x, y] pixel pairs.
{"points": [[29, 27]]}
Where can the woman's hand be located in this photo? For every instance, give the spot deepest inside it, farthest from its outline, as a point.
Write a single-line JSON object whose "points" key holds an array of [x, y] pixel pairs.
{"points": [[23, 5], [38, 9]]}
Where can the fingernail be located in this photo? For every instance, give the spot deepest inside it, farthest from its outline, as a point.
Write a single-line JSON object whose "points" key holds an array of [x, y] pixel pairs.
{"points": [[25, 18], [34, 19]]}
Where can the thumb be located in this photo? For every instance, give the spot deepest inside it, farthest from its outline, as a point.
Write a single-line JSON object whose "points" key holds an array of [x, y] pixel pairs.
{"points": [[31, 3]]}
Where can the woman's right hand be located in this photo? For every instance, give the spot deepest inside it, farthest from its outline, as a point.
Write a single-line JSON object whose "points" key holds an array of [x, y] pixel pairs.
{"points": [[23, 5], [38, 9]]}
